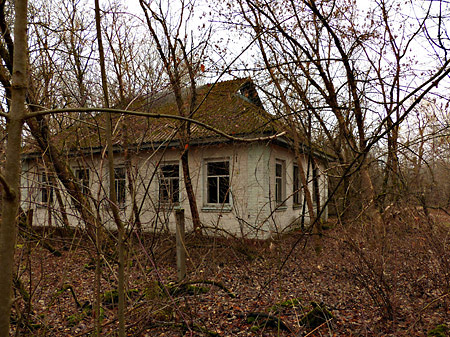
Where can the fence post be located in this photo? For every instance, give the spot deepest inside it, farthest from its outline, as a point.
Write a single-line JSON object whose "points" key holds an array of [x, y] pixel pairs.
{"points": [[181, 249]]}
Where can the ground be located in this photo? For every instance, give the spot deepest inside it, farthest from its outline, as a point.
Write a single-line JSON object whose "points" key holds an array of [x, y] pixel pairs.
{"points": [[365, 280]]}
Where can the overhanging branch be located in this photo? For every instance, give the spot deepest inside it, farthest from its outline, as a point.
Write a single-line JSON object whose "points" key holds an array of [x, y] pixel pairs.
{"points": [[156, 116]]}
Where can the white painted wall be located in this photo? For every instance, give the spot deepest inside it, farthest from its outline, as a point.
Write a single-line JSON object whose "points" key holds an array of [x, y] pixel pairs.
{"points": [[252, 211]]}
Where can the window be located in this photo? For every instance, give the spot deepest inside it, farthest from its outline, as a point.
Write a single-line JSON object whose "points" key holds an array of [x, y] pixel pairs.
{"points": [[296, 187], [82, 176], [169, 182], [218, 182], [119, 184], [46, 189], [279, 182], [316, 191]]}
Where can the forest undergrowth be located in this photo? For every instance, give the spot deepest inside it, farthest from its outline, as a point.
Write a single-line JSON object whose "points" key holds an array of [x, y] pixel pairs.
{"points": [[386, 280]]}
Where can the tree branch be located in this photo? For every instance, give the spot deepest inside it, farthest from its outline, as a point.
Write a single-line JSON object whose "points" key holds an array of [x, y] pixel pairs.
{"points": [[157, 116], [8, 190]]}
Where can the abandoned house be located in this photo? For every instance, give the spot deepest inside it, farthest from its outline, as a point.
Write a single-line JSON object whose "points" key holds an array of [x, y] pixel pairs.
{"points": [[250, 189]]}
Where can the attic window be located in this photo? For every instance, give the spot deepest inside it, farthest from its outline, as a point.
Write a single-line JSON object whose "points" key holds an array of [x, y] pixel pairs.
{"points": [[248, 92]]}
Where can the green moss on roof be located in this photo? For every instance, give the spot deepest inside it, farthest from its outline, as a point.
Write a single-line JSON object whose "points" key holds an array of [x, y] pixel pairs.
{"points": [[230, 106]]}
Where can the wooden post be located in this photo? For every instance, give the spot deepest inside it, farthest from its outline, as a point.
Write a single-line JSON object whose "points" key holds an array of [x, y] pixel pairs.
{"points": [[181, 249]]}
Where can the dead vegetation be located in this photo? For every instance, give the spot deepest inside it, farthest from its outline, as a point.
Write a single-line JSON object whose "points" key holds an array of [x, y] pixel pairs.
{"points": [[367, 281]]}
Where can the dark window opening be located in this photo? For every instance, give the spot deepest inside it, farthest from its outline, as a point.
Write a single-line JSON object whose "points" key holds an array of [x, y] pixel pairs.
{"points": [[279, 183], [120, 184], [82, 176], [218, 182], [296, 187], [169, 184], [46, 188]]}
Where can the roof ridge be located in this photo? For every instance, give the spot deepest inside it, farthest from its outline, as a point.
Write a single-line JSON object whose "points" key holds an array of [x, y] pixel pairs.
{"points": [[237, 79]]}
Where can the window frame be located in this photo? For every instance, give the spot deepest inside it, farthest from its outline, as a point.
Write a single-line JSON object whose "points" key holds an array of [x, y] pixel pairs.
{"points": [[173, 184], [83, 180], [120, 185], [296, 187], [45, 196], [280, 182], [221, 203], [316, 186]]}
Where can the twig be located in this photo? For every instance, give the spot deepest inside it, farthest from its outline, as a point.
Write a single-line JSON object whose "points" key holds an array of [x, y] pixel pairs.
{"points": [[164, 288], [425, 307], [317, 328]]}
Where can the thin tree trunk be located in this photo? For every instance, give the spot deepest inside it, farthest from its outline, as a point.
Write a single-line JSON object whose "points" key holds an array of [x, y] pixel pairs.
{"points": [[293, 132], [368, 195], [112, 191], [62, 207], [172, 67], [11, 181], [316, 188], [190, 192]]}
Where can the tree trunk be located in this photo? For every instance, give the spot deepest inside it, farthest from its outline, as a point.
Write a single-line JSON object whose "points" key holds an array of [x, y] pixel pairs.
{"points": [[190, 192], [40, 132], [174, 72], [11, 182], [368, 195], [62, 206], [112, 191]]}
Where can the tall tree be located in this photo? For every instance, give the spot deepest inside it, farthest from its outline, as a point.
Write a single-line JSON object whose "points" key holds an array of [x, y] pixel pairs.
{"points": [[331, 67], [111, 175], [181, 59], [10, 178]]}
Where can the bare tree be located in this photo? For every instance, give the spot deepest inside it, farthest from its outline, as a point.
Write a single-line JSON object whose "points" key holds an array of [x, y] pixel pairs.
{"points": [[111, 174], [11, 178], [181, 59], [334, 73]]}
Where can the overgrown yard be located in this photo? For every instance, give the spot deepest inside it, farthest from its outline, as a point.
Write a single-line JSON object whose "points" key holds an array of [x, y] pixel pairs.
{"points": [[392, 280]]}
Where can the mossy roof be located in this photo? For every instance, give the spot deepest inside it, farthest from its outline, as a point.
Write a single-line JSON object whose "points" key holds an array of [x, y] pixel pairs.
{"points": [[230, 106]]}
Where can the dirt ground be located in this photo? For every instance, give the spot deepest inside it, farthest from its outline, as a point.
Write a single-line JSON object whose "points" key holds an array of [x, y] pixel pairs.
{"points": [[363, 280]]}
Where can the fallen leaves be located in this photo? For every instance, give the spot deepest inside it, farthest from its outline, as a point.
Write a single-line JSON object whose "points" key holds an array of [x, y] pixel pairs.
{"points": [[277, 300]]}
